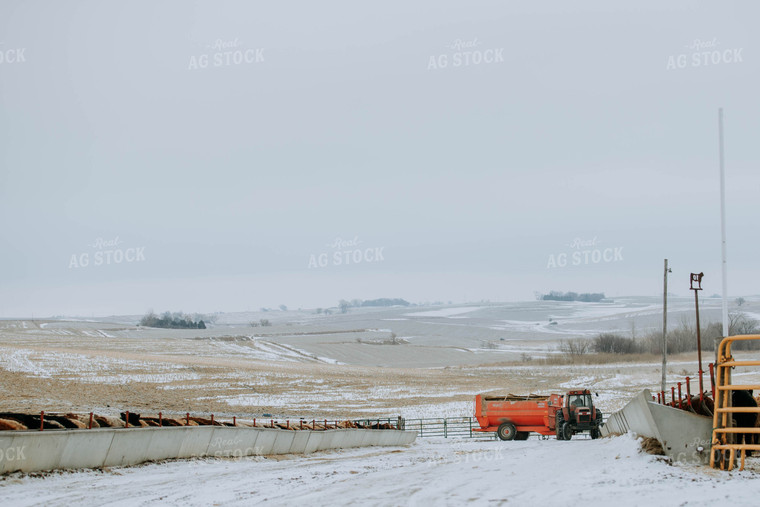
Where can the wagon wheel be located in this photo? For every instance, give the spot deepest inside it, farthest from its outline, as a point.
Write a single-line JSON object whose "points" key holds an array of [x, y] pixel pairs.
{"points": [[507, 431], [522, 435]]}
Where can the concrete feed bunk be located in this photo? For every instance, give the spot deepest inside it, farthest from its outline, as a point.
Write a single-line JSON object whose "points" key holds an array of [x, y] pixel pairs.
{"points": [[67, 442], [32, 451]]}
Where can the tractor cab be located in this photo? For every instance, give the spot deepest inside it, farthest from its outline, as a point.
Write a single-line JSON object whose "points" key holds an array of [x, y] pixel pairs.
{"points": [[580, 400], [580, 408]]}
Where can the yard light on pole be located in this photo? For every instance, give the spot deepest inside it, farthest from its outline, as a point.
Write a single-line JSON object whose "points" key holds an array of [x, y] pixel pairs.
{"points": [[665, 325], [696, 278]]}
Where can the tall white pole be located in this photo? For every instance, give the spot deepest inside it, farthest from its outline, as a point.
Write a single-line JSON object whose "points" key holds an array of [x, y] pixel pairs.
{"points": [[723, 226], [664, 328]]}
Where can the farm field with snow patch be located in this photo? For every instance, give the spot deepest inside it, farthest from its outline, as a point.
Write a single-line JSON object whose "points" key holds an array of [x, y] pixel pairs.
{"points": [[385, 362], [416, 363]]}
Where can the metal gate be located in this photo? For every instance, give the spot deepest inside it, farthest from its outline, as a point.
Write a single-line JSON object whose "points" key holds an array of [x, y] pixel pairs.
{"points": [[726, 438], [448, 427]]}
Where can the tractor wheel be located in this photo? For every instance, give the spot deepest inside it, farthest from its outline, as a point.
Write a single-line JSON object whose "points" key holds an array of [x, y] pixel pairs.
{"points": [[595, 433], [567, 431], [522, 435], [507, 431]]}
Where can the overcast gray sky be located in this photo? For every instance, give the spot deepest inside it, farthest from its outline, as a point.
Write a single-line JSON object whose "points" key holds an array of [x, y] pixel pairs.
{"points": [[207, 156]]}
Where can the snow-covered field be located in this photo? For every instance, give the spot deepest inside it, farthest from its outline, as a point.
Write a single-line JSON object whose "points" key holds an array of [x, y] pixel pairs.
{"points": [[430, 472], [418, 363], [384, 362]]}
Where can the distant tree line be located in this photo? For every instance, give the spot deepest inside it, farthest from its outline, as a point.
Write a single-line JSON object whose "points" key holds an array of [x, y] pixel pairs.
{"points": [[169, 320], [386, 302], [682, 338], [358, 303], [572, 296]]}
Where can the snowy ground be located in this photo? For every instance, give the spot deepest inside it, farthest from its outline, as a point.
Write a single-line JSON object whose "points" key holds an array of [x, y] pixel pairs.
{"points": [[429, 472], [348, 366]]}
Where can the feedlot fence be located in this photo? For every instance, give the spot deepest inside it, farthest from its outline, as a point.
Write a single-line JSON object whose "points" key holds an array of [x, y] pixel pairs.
{"points": [[448, 427]]}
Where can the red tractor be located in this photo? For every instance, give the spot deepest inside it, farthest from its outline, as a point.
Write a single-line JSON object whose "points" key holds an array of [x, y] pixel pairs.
{"points": [[578, 414]]}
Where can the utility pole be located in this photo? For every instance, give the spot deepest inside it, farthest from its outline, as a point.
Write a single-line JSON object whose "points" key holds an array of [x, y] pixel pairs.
{"points": [[665, 326]]}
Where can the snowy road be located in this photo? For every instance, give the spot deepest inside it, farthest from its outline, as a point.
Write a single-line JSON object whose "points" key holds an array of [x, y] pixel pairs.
{"points": [[430, 472]]}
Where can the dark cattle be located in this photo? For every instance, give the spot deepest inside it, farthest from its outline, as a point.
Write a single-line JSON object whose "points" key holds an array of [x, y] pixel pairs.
{"points": [[744, 399], [74, 423], [63, 421], [28, 420], [134, 419], [702, 407]]}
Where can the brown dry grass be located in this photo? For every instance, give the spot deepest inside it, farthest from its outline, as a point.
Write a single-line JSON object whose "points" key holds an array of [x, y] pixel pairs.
{"points": [[652, 446], [597, 359]]}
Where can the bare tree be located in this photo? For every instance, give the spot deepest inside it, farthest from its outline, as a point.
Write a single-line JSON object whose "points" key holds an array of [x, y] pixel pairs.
{"points": [[740, 323], [575, 348]]}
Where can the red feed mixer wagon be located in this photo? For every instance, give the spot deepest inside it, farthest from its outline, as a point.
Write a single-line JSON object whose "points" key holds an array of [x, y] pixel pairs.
{"points": [[515, 417]]}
